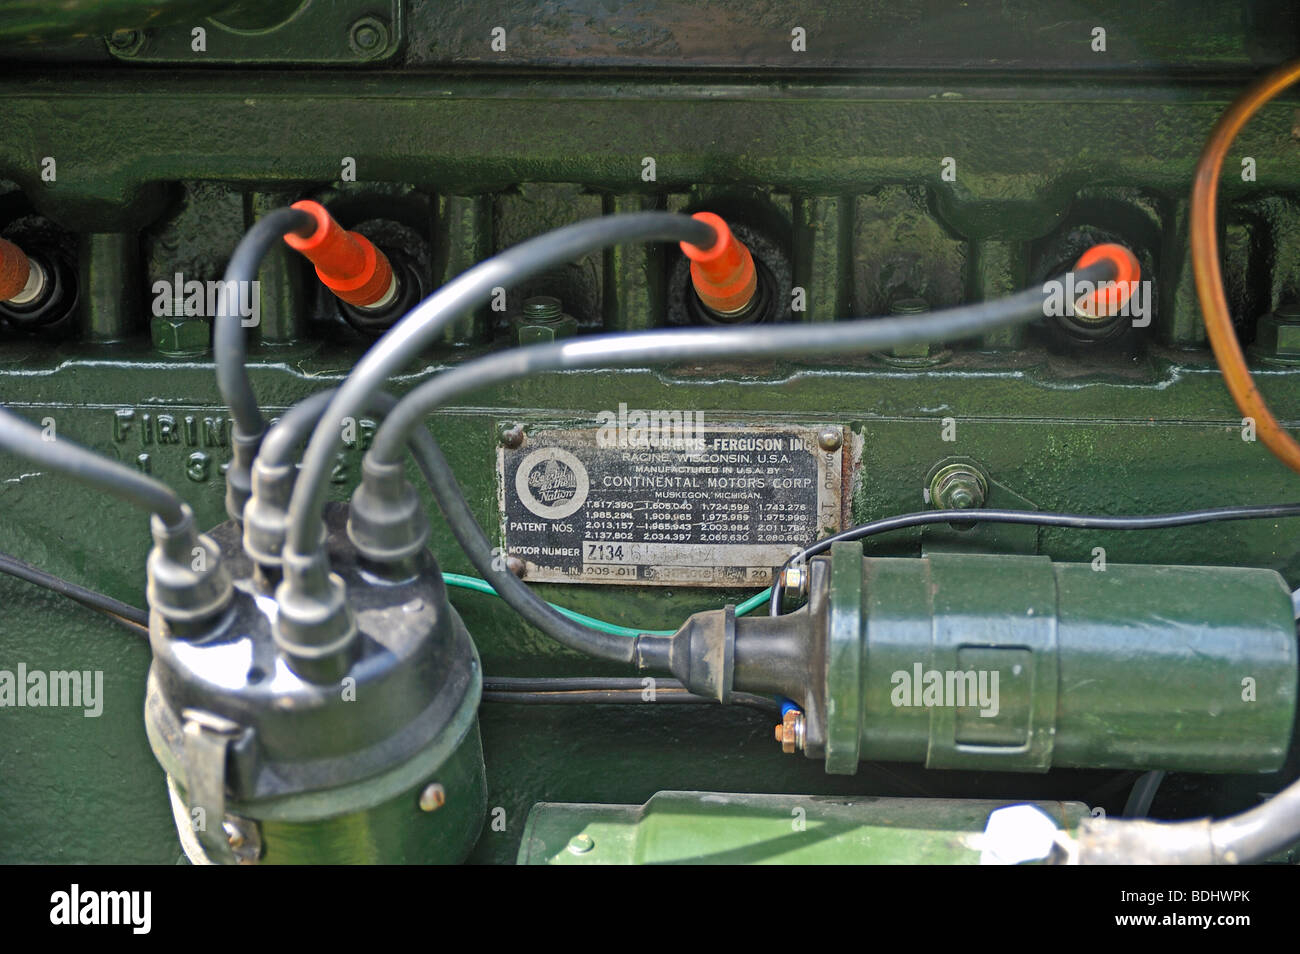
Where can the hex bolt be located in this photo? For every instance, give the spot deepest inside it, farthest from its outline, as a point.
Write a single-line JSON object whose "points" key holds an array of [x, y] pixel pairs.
{"points": [[1278, 334], [963, 495], [830, 439], [911, 306], [243, 838], [433, 797], [542, 308], [958, 487], [581, 844], [512, 437], [126, 42], [543, 319], [368, 36]]}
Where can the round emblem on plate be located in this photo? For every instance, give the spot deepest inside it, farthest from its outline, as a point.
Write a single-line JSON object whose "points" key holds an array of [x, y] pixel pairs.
{"points": [[552, 483]]}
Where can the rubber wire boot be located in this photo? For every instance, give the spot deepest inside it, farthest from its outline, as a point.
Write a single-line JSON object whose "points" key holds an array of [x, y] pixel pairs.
{"points": [[1107, 298], [21, 279], [347, 263], [723, 274], [189, 586]]}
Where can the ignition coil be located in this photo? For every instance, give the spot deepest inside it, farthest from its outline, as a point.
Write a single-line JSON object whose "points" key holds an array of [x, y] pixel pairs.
{"points": [[1016, 663]]}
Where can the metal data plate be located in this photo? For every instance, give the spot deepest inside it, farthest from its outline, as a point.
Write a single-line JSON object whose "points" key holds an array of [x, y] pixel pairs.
{"points": [[706, 506]]}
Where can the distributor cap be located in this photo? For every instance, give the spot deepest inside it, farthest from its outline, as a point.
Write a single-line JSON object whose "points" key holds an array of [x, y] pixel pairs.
{"points": [[414, 665]]}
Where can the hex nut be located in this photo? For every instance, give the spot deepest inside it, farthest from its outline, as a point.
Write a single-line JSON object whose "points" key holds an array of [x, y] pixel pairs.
{"points": [[919, 354], [795, 580], [126, 42], [790, 732], [543, 320], [1278, 334], [958, 487], [180, 336]]}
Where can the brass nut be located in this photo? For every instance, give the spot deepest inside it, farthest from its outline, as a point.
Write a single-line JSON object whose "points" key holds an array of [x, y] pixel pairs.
{"points": [[918, 354], [790, 732], [432, 798]]}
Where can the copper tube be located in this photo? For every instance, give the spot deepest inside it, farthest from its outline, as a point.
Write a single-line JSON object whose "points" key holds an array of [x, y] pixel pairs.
{"points": [[1209, 278]]}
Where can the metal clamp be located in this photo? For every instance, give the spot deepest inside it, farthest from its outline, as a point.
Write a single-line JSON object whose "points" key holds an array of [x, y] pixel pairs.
{"points": [[207, 744]]}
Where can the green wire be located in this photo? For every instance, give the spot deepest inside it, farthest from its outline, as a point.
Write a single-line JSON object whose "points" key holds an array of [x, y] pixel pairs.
{"points": [[754, 602], [483, 586]]}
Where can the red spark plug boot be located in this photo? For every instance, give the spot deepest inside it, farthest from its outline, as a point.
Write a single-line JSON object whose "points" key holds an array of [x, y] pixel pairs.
{"points": [[1107, 298], [347, 263], [17, 274], [723, 275]]}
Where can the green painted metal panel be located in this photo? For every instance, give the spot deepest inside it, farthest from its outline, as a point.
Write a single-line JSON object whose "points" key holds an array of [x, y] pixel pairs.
{"points": [[715, 828]]}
